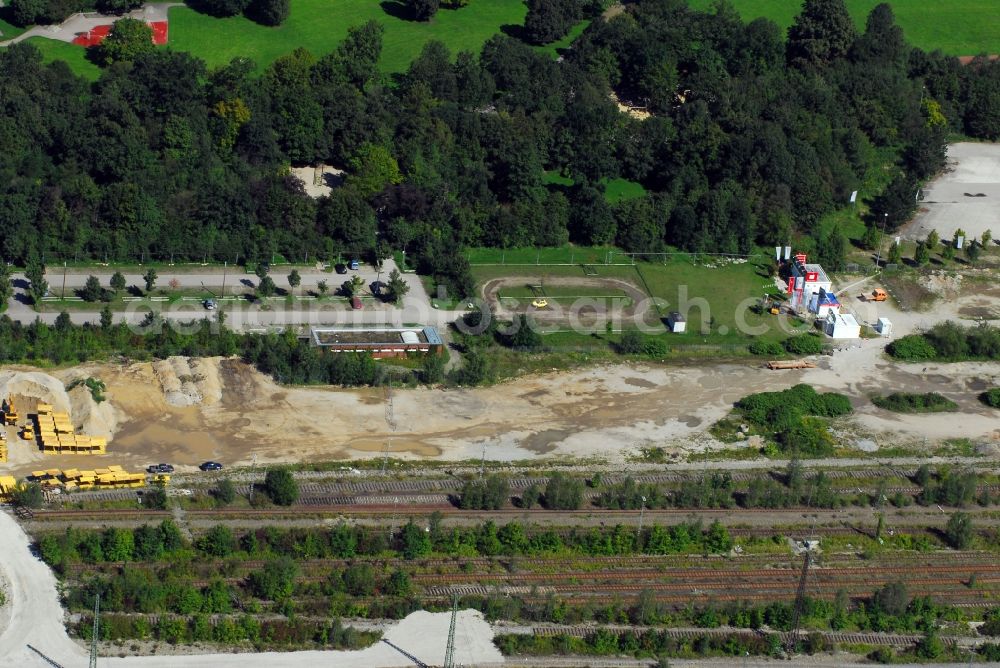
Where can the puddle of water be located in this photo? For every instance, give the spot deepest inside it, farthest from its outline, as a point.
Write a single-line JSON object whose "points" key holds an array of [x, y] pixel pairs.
{"points": [[545, 441], [396, 446], [640, 382], [164, 441]]}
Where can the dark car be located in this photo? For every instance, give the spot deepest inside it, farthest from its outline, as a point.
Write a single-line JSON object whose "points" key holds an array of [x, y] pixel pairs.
{"points": [[160, 468], [210, 466], [341, 268]]}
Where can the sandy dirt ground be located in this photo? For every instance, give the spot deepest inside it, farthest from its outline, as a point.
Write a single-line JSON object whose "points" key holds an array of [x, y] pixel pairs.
{"points": [[229, 412], [966, 195]]}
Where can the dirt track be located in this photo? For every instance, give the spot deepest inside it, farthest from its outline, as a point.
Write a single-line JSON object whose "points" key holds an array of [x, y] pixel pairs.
{"points": [[587, 309]]}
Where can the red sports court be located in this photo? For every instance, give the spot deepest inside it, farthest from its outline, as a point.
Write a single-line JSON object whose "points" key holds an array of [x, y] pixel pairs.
{"points": [[97, 34]]}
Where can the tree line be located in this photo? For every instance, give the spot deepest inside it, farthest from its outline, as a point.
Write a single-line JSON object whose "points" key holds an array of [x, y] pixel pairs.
{"points": [[753, 137]]}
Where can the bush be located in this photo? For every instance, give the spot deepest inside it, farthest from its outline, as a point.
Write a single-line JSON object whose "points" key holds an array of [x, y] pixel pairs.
{"points": [[810, 437], [280, 487], [912, 347], [907, 402], [781, 409], [958, 531], [991, 397], [563, 493], [766, 348], [489, 494], [225, 493], [804, 344], [630, 343], [29, 495]]}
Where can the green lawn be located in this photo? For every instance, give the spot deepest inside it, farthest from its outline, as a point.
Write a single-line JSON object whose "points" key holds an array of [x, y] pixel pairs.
{"points": [[8, 30], [319, 26], [74, 56], [958, 27], [622, 189]]}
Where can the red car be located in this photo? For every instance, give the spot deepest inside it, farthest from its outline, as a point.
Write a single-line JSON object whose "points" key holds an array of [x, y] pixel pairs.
{"points": [[356, 303]]}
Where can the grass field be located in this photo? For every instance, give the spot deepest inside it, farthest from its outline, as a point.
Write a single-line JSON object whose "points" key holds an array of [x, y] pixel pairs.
{"points": [[557, 292], [74, 56], [319, 26], [718, 296], [958, 27], [616, 190]]}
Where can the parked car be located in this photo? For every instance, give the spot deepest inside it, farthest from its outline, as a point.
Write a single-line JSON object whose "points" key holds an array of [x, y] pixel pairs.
{"points": [[210, 466], [160, 468], [210, 304], [356, 303], [341, 268], [355, 265]]}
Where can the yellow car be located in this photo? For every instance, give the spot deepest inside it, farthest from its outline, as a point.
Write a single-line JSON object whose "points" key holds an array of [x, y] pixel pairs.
{"points": [[540, 303]]}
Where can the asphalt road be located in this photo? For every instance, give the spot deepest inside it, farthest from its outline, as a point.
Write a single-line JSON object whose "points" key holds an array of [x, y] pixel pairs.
{"points": [[241, 314]]}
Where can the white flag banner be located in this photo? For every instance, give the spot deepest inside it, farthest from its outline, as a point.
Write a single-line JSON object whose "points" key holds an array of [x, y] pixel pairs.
{"points": [[777, 253], [854, 197], [959, 241], [788, 252]]}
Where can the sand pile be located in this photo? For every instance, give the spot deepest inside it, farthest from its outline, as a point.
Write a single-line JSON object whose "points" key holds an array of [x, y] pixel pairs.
{"points": [[188, 382], [34, 385], [90, 417]]}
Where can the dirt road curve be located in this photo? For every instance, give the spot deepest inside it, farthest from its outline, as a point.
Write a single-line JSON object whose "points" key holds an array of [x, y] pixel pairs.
{"points": [[33, 617]]}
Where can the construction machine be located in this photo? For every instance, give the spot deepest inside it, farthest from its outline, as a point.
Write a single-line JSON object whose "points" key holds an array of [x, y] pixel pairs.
{"points": [[10, 413], [878, 295], [28, 432]]}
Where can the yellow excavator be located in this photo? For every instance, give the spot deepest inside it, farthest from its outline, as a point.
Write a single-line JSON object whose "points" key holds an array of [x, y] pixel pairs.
{"points": [[28, 432], [10, 414]]}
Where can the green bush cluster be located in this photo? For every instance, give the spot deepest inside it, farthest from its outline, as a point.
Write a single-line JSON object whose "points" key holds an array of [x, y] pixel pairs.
{"points": [[908, 402], [652, 643], [199, 627], [791, 416], [803, 344], [991, 397], [949, 342], [766, 348], [489, 494]]}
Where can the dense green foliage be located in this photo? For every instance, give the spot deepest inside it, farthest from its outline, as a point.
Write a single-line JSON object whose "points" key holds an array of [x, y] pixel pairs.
{"points": [[281, 487], [789, 415], [909, 402], [991, 397], [949, 342], [166, 159], [489, 494]]}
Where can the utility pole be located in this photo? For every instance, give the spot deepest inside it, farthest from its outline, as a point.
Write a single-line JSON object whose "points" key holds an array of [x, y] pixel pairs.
{"points": [[62, 295], [878, 253], [482, 466], [225, 266], [449, 652], [390, 421], [638, 534], [253, 464], [800, 596], [94, 633]]}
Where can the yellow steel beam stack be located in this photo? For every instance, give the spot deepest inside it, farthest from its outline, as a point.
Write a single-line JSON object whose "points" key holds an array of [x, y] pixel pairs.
{"points": [[3, 446], [7, 486], [56, 433]]}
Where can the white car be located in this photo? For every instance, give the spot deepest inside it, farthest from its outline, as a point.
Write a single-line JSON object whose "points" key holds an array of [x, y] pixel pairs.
{"points": [[211, 304]]}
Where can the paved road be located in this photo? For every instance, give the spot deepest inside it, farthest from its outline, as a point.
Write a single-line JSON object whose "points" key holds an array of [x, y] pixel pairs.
{"points": [[85, 22], [243, 315]]}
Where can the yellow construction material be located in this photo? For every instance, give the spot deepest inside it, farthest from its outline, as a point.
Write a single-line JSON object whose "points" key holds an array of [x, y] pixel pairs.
{"points": [[7, 486], [56, 434], [75, 479], [10, 414], [28, 432]]}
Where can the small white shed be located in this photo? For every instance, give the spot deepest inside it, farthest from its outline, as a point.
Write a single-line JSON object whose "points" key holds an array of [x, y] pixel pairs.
{"points": [[842, 326], [676, 323], [884, 327]]}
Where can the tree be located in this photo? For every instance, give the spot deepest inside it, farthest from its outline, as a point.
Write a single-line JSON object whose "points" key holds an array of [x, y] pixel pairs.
{"points": [[261, 269], [276, 580], [563, 493], [266, 287], [322, 287], [225, 492], [107, 319], [415, 540], [892, 599], [372, 169], [92, 290], [117, 6], [129, 38], [523, 335], [432, 369], [822, 33], [117, 282], [630, 342], [221, 8], [423, 10], [26, 12], [958, 531], [6, 286], [398, 584], [29, 495], [294, 280], [987, 238], [972, 250], [150, 278], [549, 20], [921, 255], [397, 287], [268, 12], [35, 273], [217, 541], [281, 487], [933, 240], [895, 254], [871, 238]]}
